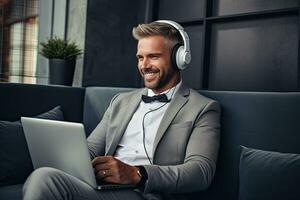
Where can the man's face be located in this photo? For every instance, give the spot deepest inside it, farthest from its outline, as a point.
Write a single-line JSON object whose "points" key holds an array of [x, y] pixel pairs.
{"points": [[154, 63]]}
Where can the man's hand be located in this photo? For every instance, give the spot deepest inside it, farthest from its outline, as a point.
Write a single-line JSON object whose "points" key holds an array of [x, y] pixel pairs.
{"points": [[113, 170]]}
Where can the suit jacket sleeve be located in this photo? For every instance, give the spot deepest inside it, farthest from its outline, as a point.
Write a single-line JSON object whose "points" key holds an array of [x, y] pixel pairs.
{"points": [[197, 171]]}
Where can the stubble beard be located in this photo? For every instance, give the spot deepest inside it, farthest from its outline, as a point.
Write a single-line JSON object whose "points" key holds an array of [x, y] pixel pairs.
{"points": [[160, 80], [158, 83], [153, 84]]}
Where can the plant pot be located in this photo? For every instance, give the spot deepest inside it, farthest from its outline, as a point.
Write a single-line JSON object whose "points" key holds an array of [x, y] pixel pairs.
{"points": [[61, 71]]}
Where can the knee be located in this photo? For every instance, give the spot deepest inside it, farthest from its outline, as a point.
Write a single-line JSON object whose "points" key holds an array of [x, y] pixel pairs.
{"points": [[45, 172], [39, 180], [42, 174]]}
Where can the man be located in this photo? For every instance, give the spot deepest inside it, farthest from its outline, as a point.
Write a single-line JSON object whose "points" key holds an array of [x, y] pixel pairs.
{"points": [[161, 147]]}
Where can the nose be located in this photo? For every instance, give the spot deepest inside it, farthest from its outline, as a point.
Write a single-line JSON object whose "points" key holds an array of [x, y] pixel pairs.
{"points": [[144, 63]]}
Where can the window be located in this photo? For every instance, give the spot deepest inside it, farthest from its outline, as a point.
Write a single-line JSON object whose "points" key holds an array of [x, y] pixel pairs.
{"points": [[19, 28]]}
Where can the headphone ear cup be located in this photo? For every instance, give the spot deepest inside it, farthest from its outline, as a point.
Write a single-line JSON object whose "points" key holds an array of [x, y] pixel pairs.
{"points": [[174, 55]]}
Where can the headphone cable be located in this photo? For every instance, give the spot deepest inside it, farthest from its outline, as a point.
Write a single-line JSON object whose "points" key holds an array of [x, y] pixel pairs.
{"points": [[143, 121]]}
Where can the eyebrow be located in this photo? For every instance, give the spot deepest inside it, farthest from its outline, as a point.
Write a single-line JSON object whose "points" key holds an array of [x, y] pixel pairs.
{"points": [[150, 54]]}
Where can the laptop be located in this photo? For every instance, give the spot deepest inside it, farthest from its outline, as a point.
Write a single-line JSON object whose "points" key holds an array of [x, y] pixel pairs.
{"points": [[62, 145]]}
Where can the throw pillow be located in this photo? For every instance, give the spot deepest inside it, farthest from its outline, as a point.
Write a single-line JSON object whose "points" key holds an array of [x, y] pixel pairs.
{"points": [[15, 161], [267, 175]]}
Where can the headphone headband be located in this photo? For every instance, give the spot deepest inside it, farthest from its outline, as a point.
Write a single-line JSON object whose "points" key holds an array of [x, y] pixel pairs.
{"points": [[185, 55]]}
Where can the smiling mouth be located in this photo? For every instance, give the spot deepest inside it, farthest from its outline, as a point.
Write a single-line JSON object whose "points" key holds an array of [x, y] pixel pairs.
{"points": [[149, 76]]}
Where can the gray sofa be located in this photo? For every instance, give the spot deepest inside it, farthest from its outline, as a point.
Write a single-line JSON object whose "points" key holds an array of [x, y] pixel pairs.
{"points": [[258, 120]]}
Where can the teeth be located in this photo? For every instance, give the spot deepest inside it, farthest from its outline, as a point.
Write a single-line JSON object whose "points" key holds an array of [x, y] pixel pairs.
{"points": [[149, 75]]}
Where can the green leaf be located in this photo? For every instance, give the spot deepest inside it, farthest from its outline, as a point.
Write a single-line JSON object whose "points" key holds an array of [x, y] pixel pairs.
{"points": [[59, 48]]}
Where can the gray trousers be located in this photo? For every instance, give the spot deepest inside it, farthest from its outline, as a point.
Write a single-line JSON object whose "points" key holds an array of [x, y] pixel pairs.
{"points": [[48, 183]]}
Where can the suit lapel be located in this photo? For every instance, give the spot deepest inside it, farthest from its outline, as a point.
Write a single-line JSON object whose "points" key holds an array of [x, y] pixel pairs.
{"points": [[127, 110], [176, 104]]}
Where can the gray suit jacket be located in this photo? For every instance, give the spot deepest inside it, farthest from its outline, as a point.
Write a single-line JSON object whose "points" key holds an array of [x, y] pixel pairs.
{"points": [[186, 145]]}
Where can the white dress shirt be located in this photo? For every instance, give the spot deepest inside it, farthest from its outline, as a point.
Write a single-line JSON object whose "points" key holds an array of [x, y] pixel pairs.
{"points": [[131, 150]]}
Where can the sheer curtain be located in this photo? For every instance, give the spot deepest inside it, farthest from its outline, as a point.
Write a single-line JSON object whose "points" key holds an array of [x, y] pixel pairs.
{"points": [[19, 31]]}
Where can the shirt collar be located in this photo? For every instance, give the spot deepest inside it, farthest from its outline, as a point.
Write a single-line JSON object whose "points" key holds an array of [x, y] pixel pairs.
{"points": [[169, 92]]}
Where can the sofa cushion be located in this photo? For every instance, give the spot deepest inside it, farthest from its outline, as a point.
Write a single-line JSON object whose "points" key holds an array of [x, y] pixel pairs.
{"points": [[11, 192], [261, 120], [16, 165], [268, 175], [96, 102]]}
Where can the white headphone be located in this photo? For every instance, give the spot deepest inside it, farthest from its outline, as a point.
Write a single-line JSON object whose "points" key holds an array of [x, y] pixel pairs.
{"points": [[181, 53]]}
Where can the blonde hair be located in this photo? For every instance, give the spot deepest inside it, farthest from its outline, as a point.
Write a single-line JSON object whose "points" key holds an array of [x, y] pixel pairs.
{"points": [[156, 28]]}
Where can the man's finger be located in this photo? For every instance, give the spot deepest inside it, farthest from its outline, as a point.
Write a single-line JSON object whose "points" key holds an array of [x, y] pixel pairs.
{"points": [[99, 167], [101, 160], [103, 173]]}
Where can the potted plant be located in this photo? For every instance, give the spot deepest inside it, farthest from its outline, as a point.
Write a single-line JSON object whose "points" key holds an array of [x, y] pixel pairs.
{"points": [[62, 56]]}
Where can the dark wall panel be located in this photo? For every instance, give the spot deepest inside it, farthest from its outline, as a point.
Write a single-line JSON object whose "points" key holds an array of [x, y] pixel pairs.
{"points": [[110, 48], [228, 7], [257, 55], [181, 10], [193, 74], [255, 49], [1, 55]]}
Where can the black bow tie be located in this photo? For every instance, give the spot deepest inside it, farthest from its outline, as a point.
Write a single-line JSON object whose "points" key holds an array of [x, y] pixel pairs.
{"points": [[160, 98]]}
